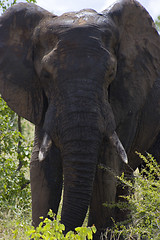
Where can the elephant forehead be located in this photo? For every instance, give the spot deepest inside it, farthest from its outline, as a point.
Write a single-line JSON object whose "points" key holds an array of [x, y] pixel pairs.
{"points": [[83, 17], [85, 28], [77, 35]]}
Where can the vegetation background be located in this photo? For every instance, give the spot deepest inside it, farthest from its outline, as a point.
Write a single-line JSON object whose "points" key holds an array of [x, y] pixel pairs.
{"points": [[16, 137]]}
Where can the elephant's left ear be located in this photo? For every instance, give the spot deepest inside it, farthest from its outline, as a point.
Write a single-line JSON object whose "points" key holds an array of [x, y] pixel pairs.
{"points": [[138, 57], [19, 84]]}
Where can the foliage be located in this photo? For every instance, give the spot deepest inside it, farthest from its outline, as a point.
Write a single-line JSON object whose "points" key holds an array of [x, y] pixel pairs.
{"points": [[157, 22], [4, 4], [20, 228], [144, 204], [53, 229], [13, 182]]}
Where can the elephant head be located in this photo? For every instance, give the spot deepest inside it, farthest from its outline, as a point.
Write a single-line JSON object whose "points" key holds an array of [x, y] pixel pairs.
{"points": [[83, 77]]}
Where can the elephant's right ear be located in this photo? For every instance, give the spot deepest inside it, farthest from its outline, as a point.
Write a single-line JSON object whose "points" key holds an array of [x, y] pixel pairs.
{"points": [[138, 60], [19, 84]]}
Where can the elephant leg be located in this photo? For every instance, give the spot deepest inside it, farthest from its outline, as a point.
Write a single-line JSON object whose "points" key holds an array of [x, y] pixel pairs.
{"points": [[46, 182], [104, 191]]}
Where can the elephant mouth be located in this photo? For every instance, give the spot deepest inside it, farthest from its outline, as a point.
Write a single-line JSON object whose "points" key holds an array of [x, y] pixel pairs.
{"points": [[114, 140]]}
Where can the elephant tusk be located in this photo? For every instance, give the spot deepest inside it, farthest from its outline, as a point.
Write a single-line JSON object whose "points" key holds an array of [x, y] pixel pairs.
{"points": [[45, 147], [119, 147]]}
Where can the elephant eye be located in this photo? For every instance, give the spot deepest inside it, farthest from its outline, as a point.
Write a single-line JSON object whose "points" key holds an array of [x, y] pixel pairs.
{"points": [[112, 71], [45, 78], [111, 74]]}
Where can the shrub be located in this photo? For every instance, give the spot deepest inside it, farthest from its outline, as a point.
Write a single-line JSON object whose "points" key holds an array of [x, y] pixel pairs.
{"points": [[53, 230], [14, 187], [144, 204]]}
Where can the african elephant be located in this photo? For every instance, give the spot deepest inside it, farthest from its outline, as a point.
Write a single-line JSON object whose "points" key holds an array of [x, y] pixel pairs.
{"points": [[90, 83]]}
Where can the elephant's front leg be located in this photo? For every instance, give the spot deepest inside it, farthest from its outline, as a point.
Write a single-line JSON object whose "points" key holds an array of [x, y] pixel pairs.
{"points": [[46, 180], [104, 191]]}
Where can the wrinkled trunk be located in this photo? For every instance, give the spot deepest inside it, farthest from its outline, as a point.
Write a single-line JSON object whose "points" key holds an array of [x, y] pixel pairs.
{"points": [[80, 154]]}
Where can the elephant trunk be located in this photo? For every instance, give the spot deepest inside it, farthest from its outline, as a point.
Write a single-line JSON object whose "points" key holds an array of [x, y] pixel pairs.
{"points": [[80, 154]]}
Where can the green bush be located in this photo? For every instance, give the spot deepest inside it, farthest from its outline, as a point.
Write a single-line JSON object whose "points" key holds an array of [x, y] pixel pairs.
{"points": [[53, 230], [144, 204], [14, 187]]}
